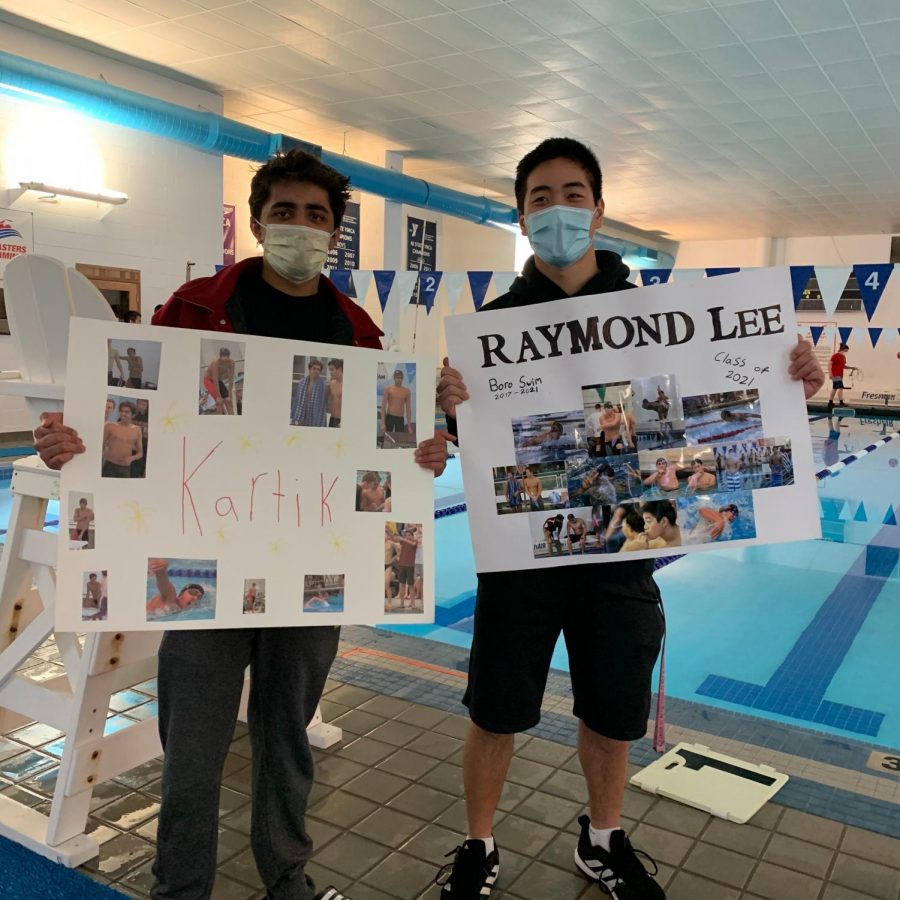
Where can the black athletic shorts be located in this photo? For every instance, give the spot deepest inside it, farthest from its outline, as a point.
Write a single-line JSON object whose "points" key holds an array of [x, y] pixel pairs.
{"points": [[613, 626]]}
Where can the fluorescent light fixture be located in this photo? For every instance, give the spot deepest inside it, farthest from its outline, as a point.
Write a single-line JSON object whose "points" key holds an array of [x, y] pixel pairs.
{"points": [[102, 196]]}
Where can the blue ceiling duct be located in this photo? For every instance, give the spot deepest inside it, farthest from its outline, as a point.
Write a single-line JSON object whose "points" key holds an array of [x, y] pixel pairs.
{"points": [[27, 79]]}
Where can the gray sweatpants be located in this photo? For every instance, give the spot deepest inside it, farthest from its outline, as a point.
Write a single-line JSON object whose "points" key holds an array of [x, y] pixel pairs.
{"points": [[201, 674]]}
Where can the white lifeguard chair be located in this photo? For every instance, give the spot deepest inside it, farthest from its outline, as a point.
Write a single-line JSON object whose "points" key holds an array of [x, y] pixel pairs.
{"points": [[41, 296]]}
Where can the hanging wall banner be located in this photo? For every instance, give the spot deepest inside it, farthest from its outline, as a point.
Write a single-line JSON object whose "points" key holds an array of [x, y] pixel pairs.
{"points": [[346, 254], [16, 236], [634, 424], [421, 251], [227, 234], [258, 482]]}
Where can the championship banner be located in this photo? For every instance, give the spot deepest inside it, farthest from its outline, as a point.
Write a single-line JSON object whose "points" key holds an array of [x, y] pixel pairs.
{"points": [[238, 481], [16, 236], [634, 424]]}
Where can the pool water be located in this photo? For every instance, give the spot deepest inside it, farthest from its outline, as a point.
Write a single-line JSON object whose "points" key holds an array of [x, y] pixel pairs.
{"points": [[803, 633]]}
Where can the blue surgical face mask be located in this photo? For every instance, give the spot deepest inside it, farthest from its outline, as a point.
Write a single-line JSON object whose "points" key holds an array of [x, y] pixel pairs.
{"points": [[560, 235]]}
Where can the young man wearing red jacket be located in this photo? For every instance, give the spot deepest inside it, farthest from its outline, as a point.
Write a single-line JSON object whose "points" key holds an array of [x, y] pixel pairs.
{"points": [[296, 204]]}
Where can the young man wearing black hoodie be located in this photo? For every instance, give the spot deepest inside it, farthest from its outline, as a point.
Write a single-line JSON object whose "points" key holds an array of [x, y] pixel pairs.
{"points": [[610, 615]]}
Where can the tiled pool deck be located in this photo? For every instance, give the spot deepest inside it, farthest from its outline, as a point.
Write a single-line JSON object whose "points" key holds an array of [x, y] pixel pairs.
{"points": [[388, 804]]}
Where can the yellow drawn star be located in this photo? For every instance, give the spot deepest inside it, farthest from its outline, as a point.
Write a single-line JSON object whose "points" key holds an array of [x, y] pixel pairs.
{"points": [[339, 447], [222, 535], [293, 438], [172, 420], [337, 542], [276, 547], [247, 443], [138, 516]]}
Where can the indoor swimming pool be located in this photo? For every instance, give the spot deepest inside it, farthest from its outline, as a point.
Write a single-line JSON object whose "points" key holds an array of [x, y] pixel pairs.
{"points": [[803, 633]]}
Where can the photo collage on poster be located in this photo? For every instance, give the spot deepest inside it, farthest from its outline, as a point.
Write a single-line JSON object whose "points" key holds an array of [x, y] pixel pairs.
{"points": [[640, 467], [185, 589]]}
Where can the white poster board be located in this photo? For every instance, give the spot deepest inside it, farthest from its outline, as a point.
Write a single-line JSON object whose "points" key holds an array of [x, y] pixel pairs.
{"points": [[634, 424], [248, 482]]}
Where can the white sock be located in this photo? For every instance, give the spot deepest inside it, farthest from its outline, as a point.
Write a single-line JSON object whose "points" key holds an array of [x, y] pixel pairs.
{"points": [[600, 837], [488, 843]]}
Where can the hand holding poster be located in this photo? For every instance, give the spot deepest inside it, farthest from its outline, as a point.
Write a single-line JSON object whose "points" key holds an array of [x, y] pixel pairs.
{"points": [[645, 423], [232, 476]]}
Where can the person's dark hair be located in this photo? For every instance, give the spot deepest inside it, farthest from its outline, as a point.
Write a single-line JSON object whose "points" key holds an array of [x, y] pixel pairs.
{"points": [[661, 509], [83, 500], [132, 315], [131, 350], [732, 508], [127, 404], [192, 587], [843, 347], [336, 363], [157, 308], [298, 165], [570, 516], [635, 521], [558, 148], [607, 470]]}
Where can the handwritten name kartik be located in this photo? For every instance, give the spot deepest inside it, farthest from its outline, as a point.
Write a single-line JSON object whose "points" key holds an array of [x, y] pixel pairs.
{"points": [[262, 498], [665, 329]]}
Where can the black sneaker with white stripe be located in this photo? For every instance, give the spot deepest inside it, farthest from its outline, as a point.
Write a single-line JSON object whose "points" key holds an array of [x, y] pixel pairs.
{"points": [[472, 873], [331, 893], [618, 871]]}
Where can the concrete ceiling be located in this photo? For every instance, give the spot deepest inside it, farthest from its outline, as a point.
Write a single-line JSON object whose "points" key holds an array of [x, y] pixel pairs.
{"points": [[711, 118]]}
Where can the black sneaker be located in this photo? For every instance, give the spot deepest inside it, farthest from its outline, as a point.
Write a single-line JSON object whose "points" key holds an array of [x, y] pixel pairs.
{"points": [[618, 872], [331, 893], [472, 873]]}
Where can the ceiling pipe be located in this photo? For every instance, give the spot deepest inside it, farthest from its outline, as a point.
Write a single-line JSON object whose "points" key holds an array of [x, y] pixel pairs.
{"points": [[211, 133]]}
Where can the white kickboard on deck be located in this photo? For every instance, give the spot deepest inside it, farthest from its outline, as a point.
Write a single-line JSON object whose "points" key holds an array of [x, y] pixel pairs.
{"points": [[720, 785]]}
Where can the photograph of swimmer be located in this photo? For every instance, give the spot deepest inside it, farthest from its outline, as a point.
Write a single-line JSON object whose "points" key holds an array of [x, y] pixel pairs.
{"points": [[403, 568], [323, 593], [714, 418], [777, 462], [221, 377], [578, 530], [548, 436], [677, 470], [133, 364], [716, 518], [254, 596], [125, 423], [626, 531], [658, 413], [317, 392], [529, 488], [373, 491], [609, 418], [94, 596], [181, 589], [606, 482], [396, 403], [80, 520], [662, 524]]}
